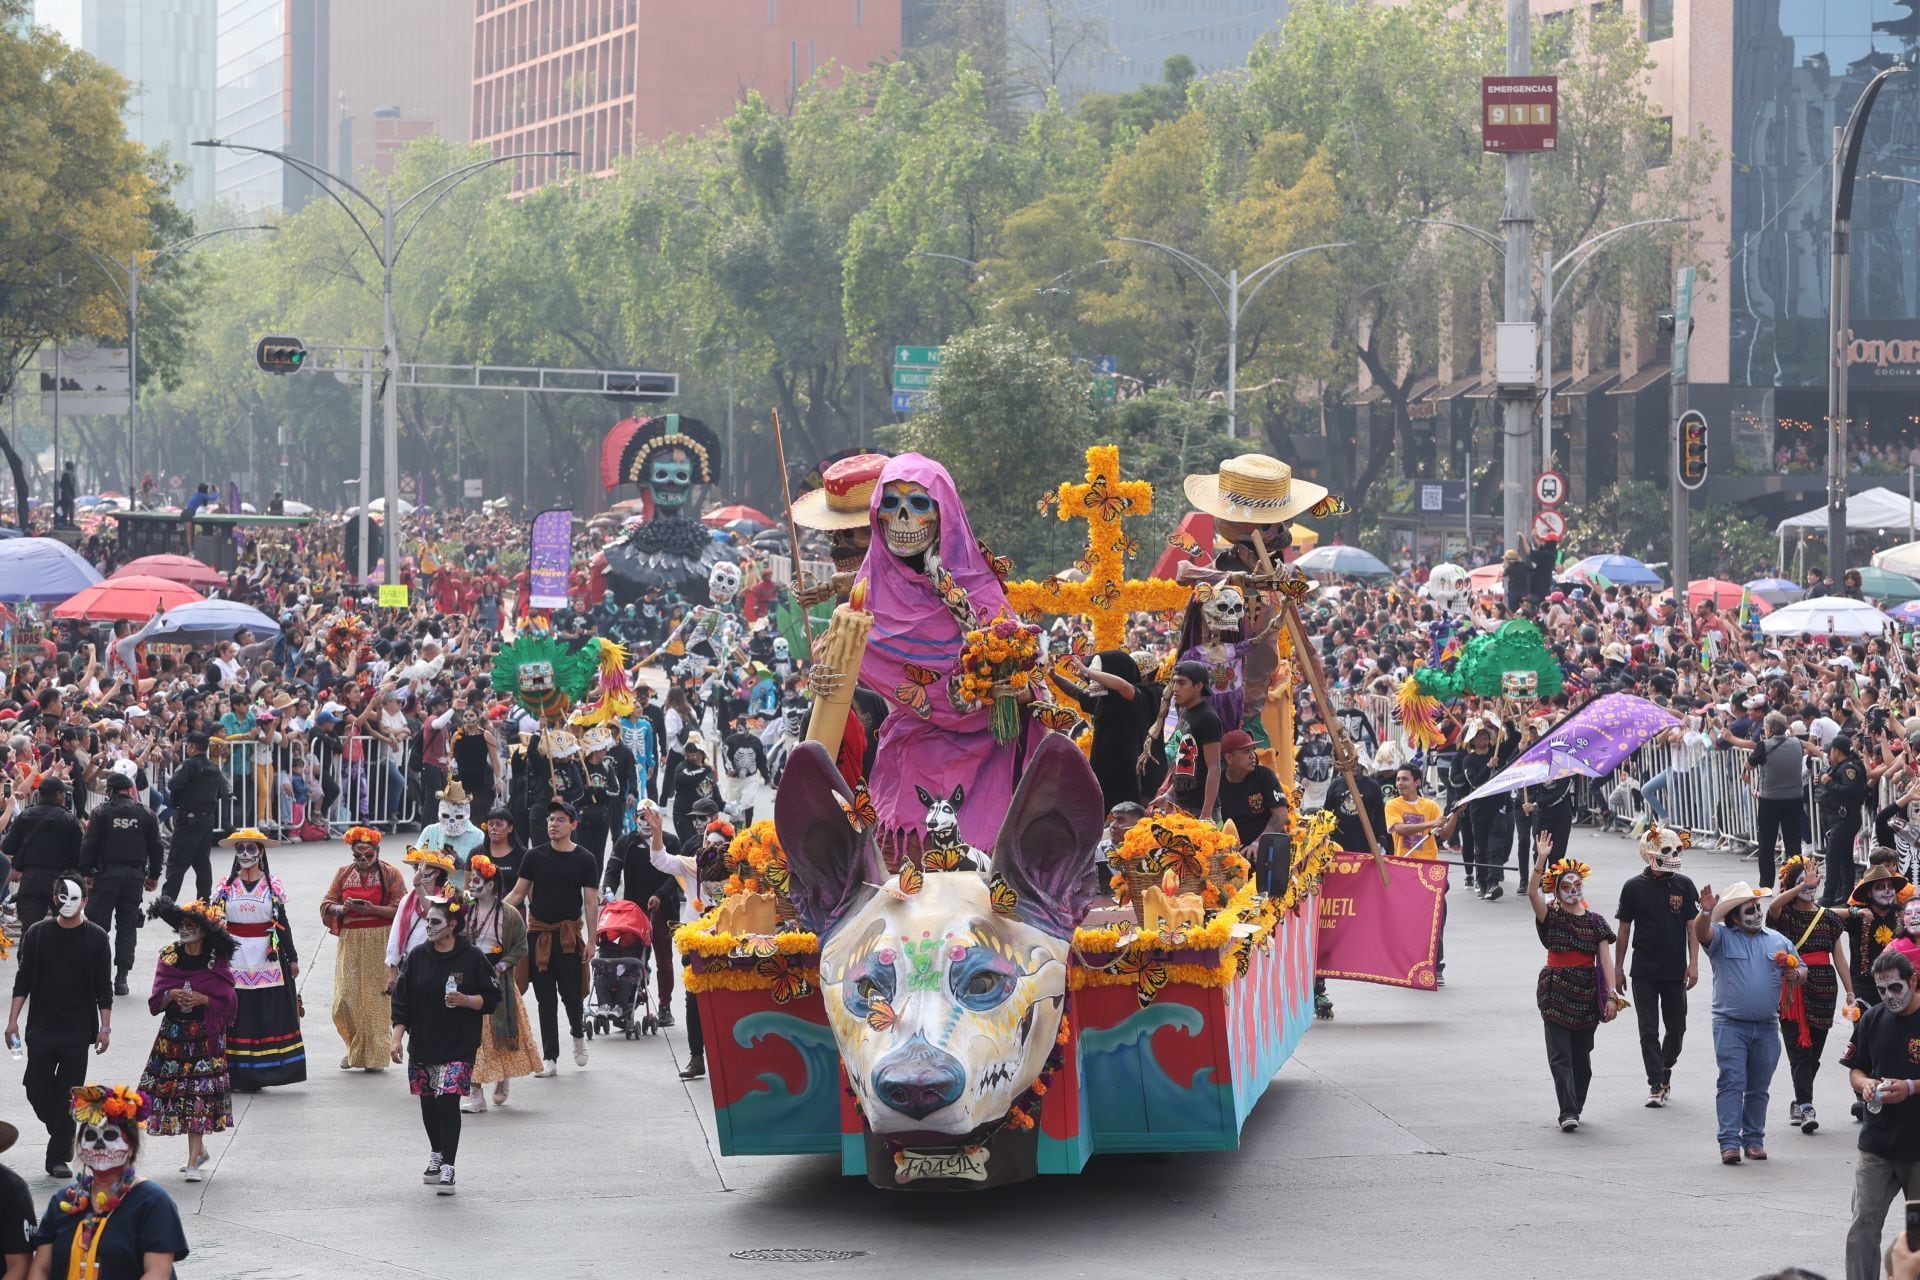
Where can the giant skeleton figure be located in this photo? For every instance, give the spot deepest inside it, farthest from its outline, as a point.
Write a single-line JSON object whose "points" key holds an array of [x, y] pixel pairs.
{"points": [[666, 456], [710, 634]]}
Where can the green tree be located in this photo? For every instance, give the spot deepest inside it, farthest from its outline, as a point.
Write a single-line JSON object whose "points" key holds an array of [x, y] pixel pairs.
{"points": [[1729, 542], [1630, 518], [1014, 418]]}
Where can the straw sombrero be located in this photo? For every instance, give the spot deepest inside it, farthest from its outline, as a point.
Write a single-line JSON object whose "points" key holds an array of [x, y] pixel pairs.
{"points": [[1738, 894], [249, 835], [1252, 489], [844, 496]]}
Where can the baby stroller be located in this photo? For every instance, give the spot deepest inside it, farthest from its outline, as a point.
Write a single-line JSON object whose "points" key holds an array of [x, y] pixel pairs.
{"points": [[621, 968]]}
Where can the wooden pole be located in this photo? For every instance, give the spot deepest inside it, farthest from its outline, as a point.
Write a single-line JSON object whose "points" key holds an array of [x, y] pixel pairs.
{"points": [[793, 532]]}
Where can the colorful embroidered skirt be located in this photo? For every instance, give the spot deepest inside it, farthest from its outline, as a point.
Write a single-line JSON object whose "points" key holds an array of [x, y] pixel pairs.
{"points": [[362, 1010], [186, 1078], [264, 1047], [435, 1079]]}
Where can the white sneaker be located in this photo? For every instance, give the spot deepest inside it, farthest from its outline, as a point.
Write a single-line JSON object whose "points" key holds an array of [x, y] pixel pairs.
{"points": [[548, 1071], [446, 1181], [474, 1103], [500, 1094], [579, 1051]]}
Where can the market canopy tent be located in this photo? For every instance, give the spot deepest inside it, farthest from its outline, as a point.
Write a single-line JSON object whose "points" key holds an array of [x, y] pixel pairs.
{"points": [[43, 570], [134, 598], [1869, 510]]}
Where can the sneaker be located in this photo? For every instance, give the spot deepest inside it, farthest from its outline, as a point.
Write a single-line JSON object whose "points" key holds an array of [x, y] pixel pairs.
{"points": [[1808, 1122], [1795, 1114], [1496, 893], [1666, 1090], [579, 1051], [1479, 891], [432, 1175], [446, 1181], [500, 1094], [666, 1015], [1656, 1097], [195, 1173], [547, 1071], [1569, 1123], [474, 1103]]}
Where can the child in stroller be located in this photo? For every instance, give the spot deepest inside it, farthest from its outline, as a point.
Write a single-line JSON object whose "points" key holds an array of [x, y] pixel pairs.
{"points": [[620, 971]]}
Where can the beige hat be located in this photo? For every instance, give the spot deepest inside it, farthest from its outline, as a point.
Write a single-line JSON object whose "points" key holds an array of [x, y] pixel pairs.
{"points": [[845, 494], [1738, 893], [1252, 489]]}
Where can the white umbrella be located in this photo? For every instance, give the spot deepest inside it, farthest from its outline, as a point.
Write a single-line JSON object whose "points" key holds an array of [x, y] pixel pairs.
{"points": [[1826, 616], [380, 505], [1350, 561], [1904, 559], [293, 508]]}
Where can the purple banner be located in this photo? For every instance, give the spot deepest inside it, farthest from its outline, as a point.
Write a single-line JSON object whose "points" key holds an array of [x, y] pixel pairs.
{"points": [[549, 559], [1591, 742]]}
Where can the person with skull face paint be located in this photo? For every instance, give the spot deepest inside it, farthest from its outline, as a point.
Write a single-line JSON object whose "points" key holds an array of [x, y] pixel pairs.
{"points": [[1575, 989], [506, 1042], [193, 996], [1872, 923], [65, 983], [1748, 984], [264, 1047], [445, 990], [110, 1223], [358, 909], [1883, 1062], [1806, 1013], [1656, 907], [454, 831]]}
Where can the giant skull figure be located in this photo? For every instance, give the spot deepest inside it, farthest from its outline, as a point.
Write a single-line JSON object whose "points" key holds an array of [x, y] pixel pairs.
{"points": [[910, 519], [670, 457], [944, 1009]]}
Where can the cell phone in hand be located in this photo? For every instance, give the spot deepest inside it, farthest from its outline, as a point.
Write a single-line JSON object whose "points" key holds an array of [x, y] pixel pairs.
{"points": [[1913, 1226]]}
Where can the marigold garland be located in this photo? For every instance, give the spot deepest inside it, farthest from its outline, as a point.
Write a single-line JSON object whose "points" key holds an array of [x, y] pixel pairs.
{"points": [[697, 938], [758, 862]]}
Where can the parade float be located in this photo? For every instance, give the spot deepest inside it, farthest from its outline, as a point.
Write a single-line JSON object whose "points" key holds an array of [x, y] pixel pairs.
{"points": [[924, 979]]}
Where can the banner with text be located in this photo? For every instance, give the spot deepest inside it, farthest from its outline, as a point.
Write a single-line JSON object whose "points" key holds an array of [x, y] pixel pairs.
{"points": [[1382, 932], [549, 559]]}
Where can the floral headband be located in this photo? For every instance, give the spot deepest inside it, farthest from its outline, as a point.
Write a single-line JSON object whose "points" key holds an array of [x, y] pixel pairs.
{"points": [[1550, 878], [453, 904], [483, 866], [432, 857], [96, 1104], [1791, 869], [214, 914], [362, 835]]}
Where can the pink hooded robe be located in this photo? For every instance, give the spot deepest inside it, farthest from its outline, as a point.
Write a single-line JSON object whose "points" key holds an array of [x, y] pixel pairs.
{"points": [[945, 746]]}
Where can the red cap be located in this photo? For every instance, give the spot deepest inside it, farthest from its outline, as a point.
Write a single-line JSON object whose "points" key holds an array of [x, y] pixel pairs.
{"points": [[1234, 740]]}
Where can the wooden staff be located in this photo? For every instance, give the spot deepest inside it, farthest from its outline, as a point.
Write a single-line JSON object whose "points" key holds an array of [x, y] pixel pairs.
{"points": [[793, 532], [1345, 758]]}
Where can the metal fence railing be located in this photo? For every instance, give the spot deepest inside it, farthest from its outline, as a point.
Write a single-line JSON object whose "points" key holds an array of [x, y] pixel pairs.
{"points": [[284, 787]]}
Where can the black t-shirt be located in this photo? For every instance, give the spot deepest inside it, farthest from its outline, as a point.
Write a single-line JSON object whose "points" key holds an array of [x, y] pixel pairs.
{"points": [[1251, 802], [1659, 908], [16, 1215], [1887, 1045], [1199, 728], [146, 1222], [558, 876]]}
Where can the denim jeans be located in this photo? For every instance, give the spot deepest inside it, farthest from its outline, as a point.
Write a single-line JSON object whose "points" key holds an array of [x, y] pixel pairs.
{"points": [[1652, 789], [1747, 1053]]}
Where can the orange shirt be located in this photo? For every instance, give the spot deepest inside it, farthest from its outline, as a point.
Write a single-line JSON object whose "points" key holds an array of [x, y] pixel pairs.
{"points": [[1418, 809]]}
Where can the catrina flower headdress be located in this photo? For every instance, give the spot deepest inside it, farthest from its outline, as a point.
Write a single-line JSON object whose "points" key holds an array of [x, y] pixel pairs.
{"points": [[1550, 878], [483, 866], [362, 835], [431, 857], [97, 1104]]}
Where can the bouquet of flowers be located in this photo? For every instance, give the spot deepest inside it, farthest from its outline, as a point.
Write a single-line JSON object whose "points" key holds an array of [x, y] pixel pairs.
{"points": [[759, 865], [997, 661]]}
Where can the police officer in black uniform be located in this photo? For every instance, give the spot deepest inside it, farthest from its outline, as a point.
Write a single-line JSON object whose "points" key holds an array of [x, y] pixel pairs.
{"points": [[121, 857], [197, 788], [44, 841]]}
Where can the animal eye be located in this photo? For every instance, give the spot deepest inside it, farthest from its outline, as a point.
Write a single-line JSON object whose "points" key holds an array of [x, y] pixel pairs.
{"points": [[981, 984], [980, 979]]}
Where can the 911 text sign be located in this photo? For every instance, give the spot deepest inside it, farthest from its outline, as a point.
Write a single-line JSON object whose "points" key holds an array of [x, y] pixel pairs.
{"points": [[1519, 113]]}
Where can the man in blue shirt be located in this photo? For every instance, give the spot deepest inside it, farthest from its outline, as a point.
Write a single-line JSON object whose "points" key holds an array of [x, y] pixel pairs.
{"points": [[1746, 1011]]}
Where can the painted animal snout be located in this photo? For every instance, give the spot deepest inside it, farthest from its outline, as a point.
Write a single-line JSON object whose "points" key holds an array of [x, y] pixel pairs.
{"points": [[918, 1079]]}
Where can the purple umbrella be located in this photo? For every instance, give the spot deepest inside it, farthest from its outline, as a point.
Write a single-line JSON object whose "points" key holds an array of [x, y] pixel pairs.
{"points": [[1907, 615], [1591, 742]]}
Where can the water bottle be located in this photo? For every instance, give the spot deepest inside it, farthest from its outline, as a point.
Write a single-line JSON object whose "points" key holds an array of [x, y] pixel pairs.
{"points": [[1872, 1099], [16, 1046], [453, 985]]}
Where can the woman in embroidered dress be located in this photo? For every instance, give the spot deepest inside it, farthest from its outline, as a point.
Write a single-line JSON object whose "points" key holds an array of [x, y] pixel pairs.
{"points": [[186, 1078], [264, 1047], [506, 1047], [359, 908], [1575, 992], [1806, 1011], [109, 1223]]}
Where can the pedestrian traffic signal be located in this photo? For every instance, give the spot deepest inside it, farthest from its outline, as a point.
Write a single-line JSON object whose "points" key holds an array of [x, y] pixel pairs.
{"points": [[280, 355], [1693, 449]]}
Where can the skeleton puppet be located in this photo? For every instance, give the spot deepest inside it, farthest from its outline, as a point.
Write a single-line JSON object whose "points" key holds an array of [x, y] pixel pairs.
{"points": [[709, 635], [838, 508]]}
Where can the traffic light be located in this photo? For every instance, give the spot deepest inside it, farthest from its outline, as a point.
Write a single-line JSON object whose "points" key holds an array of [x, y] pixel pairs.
{"points": [[1693, 449], [643, 386], [280, 355]]}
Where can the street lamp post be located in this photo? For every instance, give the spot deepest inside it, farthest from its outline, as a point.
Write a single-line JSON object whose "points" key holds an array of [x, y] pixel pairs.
{"points": [[130, 295], [387, 249], [1240, 291]]}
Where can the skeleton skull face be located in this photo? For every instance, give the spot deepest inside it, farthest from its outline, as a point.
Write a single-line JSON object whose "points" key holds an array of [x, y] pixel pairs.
{"points": [[1883, 895], [454, 818], [1750, 916], [1225, 610], [190, 934], [104, 1147], [909, 519], [68, 898], [782, 651], [1570, 892], [439, 922], [428, 879], [848, 547], [247, 853], [670, 477], [723, 582], [1447, 587]]}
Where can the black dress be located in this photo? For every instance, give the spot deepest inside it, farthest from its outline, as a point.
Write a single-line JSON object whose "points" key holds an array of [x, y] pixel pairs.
{"points": [[1119, 730]]}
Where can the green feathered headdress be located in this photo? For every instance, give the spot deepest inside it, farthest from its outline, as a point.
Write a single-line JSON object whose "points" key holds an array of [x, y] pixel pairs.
{"points": [[1511, 662], [539, 673]]}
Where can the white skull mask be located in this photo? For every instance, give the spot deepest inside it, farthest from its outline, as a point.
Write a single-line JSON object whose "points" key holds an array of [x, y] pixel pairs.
{"points": [[723, 582], [247, 853], [909, 519], [68, 898], [454, 818], [782, 651], [439, 922], [1447, 586], [1750, 917], [1094, 688], [104, 1146], [1225, 610]]}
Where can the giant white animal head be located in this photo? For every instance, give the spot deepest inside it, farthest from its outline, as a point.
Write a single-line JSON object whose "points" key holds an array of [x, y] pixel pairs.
{"points": [[944, 1007]]}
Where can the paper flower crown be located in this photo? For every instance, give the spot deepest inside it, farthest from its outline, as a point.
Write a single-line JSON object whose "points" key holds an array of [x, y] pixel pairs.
{"points": [[97, 1104], [362, 835], [481, 865], [1550, 878], [213, 914], [431, 857], [454, 904]]}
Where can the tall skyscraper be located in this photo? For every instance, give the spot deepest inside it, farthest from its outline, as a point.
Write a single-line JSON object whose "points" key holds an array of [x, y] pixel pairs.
{"points": [[166, 49]]}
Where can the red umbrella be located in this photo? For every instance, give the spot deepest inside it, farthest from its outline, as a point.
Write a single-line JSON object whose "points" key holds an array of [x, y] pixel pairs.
{"points": [[131, 599], [184, 570], [720, 516], [1725, 595], [1489, 579]]}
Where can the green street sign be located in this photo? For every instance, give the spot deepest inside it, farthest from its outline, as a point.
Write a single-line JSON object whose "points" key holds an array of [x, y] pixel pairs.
{"points": [[1106, 389], [1682, 321], [912, 379], [916, 357]]}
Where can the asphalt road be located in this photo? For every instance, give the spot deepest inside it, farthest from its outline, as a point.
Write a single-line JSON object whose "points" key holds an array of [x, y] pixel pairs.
{"points": [[1412, 1135]]}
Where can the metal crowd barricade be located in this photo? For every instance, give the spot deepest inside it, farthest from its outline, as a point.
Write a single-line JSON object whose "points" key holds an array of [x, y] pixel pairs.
{"points": [[367, 780]]}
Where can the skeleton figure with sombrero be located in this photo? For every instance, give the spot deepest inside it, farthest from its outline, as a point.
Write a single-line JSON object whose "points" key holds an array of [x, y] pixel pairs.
{"points": [[454, 832], [667, 456], [839, 508]]}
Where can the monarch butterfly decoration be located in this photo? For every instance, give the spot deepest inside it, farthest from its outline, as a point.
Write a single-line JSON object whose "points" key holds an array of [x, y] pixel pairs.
{"points": [[1002, 566], [1129, 547], [912, 692], [1048, 501], [1181, 853], [911, 879], [947, 859], [1149, 975], [761, 946], [1331, 505], [860, 811], [1184, 541], [1108, 594], [880, 1015], [1110, 505], [1005, 899], [777, 878], [1056, 717], [1292, 584], [788, 984]]}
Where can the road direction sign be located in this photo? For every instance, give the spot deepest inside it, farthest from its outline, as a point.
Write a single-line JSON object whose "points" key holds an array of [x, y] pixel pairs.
{"points": [[911, 401], [1682, 321], [1549, 524], [912, 379], [1549, 488], [916, 357]]}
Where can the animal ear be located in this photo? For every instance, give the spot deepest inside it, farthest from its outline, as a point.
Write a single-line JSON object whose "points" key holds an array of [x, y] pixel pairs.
{"points": [[831, 866], [959, 794], [1046, 844], [926, 797]]}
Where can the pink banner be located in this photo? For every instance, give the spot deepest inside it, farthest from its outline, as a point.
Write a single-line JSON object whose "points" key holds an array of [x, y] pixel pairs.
{"points": [[1387, 933]]}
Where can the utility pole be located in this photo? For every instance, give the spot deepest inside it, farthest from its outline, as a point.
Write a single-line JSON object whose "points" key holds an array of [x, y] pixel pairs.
{"points": [[1516, 220], [1677, 567]]}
